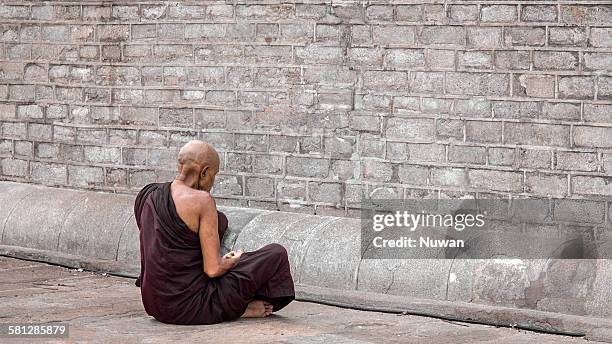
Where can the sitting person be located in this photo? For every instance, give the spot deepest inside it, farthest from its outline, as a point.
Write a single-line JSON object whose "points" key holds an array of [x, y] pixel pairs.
{"points": [[183, 278]]}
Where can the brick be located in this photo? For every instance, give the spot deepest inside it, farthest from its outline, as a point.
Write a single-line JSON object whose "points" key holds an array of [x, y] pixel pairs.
{"points": [[601, 37], [561, 111], [599, 186], [604, 88], [467, 154], [134, 156], [35, 72], [14, 130], [440, 59], [539, 13], [598, 61], [41, 132], [477, 83], [71, 152], [259, 187], [538, 86], [7, 111], [567, 36], [123, 12], [442, 35], [498, 13], [404, 58], [413, 174], [411, 129], [555, 60], [310, 11], [325, 192], [22, 92], [447, 176], [113, 33], [536, 134], [576, 161], [268, 164], [585, 136], [102, 154], [97, 13], [149, 137], [598, 112], [195, 31], [371, 146], [496, 180], [55, 33], [165, 158], [394, 35], [48, 173], [91, 135], [343, 170], [501, 156], [425, 152], [583, 211], [449, 129], [473, 107], [607, 163], [170, 117], [436, 105], [319, 54], [427, 82], [221, 141], [365, 56], [14, 167], [576, 87], [379, 13], [63, 134], [379, 80], [527, 36], [549, 185], [140, 178], [586, 15], [46, 150], [11, 70], [85, 176], [507, 109], [475, 59], [463, 13], [14, 12], [228, 186], [116, 177], [339, 147], [251, 142], [477, 131], [376, 170], [534, 158], [310, 144], [307, 167]]}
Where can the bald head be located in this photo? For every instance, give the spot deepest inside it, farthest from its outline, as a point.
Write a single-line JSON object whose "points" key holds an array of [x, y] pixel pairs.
{"points": [[198, 152], [198, 163]]}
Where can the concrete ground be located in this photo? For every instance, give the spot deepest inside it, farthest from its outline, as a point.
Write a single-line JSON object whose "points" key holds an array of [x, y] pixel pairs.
{"points": [[107, 309]]}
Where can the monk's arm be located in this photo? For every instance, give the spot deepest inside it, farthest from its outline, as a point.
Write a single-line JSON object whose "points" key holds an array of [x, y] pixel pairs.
{"points": [[214, 264]]}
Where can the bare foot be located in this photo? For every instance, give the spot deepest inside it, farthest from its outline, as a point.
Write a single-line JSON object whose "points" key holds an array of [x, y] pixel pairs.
{"points": [[257, 309]]}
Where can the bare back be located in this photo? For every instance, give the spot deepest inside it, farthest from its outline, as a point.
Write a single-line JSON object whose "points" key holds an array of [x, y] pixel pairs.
{"points": [[188, 204]]}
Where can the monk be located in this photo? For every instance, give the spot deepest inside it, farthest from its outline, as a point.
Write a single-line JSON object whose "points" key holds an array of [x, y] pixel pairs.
{"points": [[183, 277]]}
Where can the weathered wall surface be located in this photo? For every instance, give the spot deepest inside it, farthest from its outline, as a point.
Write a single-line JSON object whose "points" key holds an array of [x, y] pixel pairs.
{"points": [[313, 104]]}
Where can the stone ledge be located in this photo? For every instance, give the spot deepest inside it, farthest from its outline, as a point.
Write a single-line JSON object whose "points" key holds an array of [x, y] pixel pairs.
{"points": [[97, 231]]}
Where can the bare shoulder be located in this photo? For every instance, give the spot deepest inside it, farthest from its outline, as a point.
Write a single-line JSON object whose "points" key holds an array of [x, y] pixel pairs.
{"points": [[191, 204]]}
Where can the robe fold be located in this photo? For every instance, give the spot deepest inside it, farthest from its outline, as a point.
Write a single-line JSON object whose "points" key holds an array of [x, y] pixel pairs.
{"points": [[172, 281]]}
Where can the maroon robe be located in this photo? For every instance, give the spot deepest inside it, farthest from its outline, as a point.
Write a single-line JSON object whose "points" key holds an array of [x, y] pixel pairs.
{"points": [[172, 281]]}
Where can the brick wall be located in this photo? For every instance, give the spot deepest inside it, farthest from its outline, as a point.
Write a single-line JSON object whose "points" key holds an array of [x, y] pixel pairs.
{"points": [[313, 105]]}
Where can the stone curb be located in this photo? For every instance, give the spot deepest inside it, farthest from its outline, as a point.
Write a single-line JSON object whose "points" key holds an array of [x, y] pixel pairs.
{"points": [[97, 231]]}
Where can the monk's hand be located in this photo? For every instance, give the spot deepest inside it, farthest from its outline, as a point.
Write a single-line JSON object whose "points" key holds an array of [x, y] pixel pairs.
{"points": [[233, 256]]}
